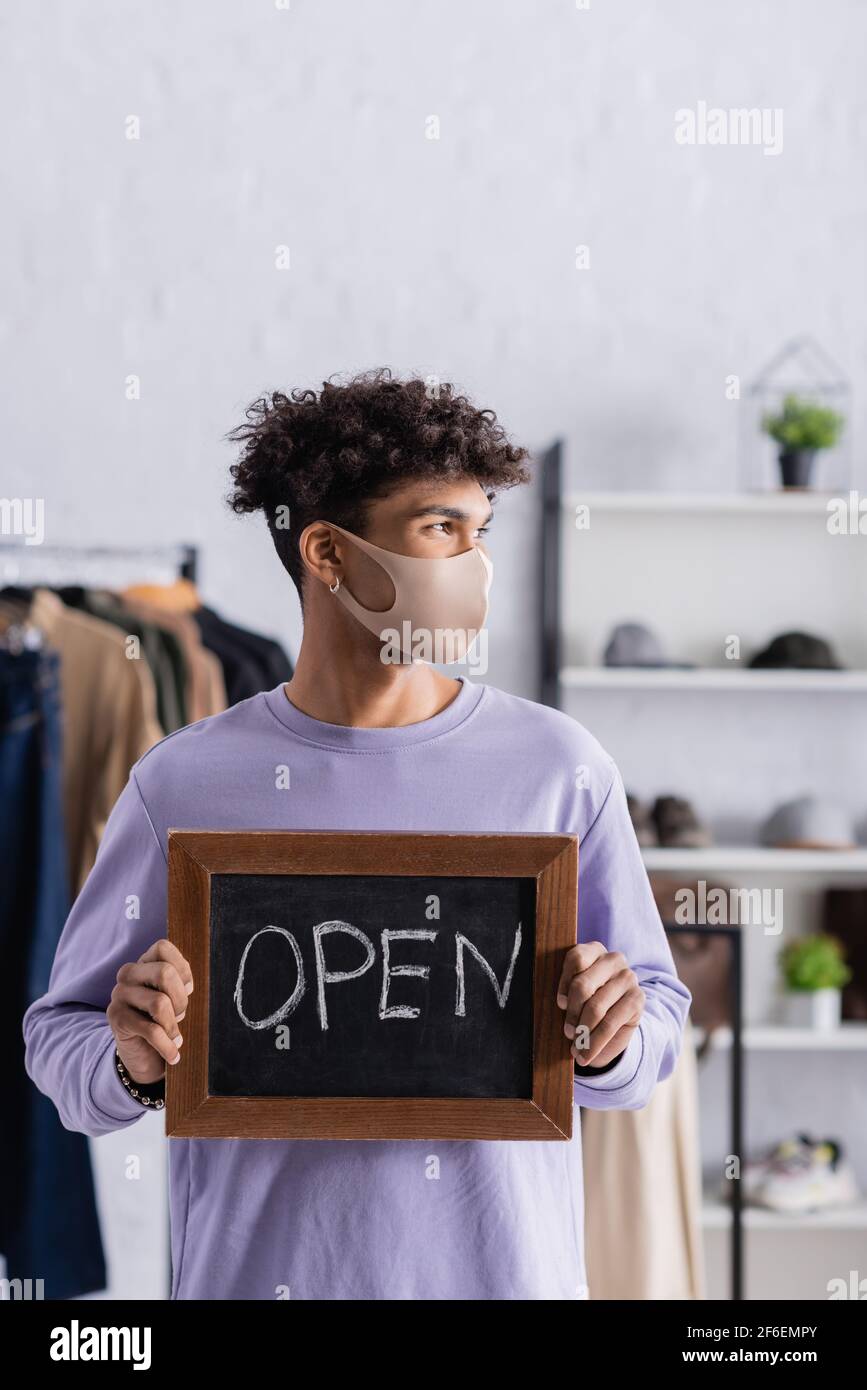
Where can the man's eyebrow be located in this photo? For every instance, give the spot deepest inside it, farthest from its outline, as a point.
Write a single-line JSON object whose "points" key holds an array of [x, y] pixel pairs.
{"points": [[453, 513]]}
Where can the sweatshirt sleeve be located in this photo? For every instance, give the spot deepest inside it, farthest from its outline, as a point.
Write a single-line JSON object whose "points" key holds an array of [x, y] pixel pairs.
{"points": [[119, 913], [616, 907]]}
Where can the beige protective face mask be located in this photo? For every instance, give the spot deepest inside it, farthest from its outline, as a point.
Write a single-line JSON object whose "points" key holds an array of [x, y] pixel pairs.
{"points": [[439, 605]]}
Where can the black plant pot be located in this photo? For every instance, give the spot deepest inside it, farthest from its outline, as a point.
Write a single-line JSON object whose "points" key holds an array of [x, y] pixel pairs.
{"points": [[796, 466]]}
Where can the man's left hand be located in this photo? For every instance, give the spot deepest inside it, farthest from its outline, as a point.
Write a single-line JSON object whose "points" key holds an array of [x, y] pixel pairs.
{"points": [[603, 1002]]}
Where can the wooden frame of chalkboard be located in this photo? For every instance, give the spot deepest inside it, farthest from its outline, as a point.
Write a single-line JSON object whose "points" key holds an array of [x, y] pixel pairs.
{"points": [[548, 861]]}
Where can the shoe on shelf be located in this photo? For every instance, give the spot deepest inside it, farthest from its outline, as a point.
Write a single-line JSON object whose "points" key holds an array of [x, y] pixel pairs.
{"points": [[756, 1171], [810, 1176], [642, 821], [677, 825]]}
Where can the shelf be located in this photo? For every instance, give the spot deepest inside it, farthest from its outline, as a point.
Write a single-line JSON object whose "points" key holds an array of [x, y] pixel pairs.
{"points": [[722, 503], [716, 1216], [849, 1037], [739, 680], [755, 859]]}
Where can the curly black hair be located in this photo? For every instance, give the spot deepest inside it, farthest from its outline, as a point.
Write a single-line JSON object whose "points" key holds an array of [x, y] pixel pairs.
{"points": [[327, 455]]}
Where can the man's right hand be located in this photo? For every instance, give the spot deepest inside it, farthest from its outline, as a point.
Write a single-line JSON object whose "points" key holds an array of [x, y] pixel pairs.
{"points": [[147, 1004]]}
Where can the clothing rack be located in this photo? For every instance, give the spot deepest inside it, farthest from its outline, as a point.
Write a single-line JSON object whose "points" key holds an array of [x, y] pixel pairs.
{"points": [[97, 566], [83, 564]]}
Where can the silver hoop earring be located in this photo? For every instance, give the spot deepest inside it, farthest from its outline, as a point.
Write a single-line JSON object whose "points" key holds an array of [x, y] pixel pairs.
{"points": [[332, 588]]}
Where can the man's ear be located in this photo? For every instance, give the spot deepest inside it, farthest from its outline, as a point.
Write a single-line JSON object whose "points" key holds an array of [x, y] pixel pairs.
{"points": [[320, 552]]}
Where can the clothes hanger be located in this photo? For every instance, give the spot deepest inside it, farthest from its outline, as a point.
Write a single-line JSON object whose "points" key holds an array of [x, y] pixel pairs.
{"points": [[181, 596]]}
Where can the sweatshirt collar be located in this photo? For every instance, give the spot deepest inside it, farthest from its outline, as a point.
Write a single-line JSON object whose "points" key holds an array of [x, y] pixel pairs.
{"points": [[349, 739]]}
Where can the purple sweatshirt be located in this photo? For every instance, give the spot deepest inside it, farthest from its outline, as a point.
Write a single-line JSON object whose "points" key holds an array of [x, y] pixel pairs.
{"points": [[313, 1219]]}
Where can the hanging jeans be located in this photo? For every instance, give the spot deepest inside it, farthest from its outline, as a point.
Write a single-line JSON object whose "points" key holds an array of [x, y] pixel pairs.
{"points": [[49, 1228]]}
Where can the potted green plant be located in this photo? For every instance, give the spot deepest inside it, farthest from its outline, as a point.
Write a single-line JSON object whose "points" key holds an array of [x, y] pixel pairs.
{"points": [[814, 972], [801, 428]]}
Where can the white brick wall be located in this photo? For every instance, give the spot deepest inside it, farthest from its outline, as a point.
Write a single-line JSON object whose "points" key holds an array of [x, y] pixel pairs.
{"points": [[306, 127]]}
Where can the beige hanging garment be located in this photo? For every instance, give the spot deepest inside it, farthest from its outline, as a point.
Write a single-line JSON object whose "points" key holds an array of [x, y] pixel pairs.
{"points": [[205, 688], [109, 720], [642, 1193]]}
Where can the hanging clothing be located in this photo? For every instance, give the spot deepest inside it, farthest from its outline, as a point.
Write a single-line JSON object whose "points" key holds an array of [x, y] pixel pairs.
{"points": [[49, 1228], [270, 655], [642, 1177], [250, 663], [109, 718], [73, 721], [160, 648], [205, 690]]}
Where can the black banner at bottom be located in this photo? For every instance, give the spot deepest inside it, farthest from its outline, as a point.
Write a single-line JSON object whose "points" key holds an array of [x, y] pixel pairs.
{"points": [[274, 1339]]}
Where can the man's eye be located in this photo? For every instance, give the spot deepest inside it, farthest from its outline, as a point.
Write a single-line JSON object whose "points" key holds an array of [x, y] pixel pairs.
{"points": [[445, 526]]}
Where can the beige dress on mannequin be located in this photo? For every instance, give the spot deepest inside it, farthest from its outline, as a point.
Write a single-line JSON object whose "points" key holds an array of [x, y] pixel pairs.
{"points": [[642, 1185]]}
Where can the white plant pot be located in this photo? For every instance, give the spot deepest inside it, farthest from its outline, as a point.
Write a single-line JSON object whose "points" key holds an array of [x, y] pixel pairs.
{"points": [[819, 1009]]}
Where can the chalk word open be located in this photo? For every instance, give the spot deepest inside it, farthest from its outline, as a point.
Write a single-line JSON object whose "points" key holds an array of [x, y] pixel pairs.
{"points": [[325, 977]]}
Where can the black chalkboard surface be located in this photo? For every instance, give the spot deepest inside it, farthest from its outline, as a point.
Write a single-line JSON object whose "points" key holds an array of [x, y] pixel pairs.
{"points": [[463, 1027], [372, 985]]}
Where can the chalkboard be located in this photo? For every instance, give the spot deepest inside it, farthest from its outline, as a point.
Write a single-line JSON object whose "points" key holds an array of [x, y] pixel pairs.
{"points": [[463, 1028], [372, 985]]}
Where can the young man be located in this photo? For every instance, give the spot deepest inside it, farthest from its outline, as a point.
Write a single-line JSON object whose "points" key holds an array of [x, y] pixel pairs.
{"points": [[378, 494]]}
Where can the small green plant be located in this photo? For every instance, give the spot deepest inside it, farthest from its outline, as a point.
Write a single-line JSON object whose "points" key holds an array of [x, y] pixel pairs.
{"points": [[802, 424], [814, 962]]}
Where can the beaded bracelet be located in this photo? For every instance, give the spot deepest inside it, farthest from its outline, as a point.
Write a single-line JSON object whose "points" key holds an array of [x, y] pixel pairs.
{"points": [[151, 1093]]}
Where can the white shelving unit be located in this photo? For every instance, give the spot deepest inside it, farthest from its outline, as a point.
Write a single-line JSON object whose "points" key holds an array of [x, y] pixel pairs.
{"points": [[790, 503], [849, 1037], [754, 859], [716, 1216], [735, 680], [699, 568]]}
